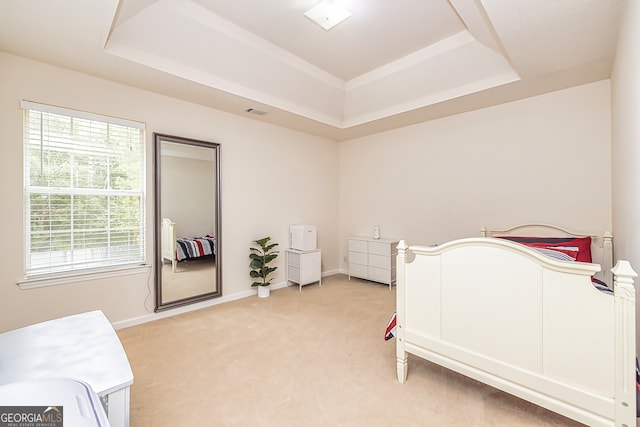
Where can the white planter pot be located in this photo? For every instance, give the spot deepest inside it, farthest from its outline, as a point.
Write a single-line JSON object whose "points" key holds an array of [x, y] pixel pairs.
{"points": [[263, 291]]}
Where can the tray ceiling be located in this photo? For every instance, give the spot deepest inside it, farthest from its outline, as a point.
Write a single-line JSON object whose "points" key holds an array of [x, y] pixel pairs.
{"points": [[392, 63]]}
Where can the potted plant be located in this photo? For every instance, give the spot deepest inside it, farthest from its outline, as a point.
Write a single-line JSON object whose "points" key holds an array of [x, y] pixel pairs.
{"points": [[261, 256]]}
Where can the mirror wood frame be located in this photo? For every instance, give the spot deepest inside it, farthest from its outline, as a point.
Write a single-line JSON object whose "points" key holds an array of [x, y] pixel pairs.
{"points": [[159, 139]]}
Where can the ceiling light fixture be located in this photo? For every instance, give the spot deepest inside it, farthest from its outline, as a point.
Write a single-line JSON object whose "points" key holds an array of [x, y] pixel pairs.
{"points": [[327, 14]]}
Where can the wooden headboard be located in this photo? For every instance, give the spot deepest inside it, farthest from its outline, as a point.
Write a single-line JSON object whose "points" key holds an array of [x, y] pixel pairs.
{"points": [[601, 245]]}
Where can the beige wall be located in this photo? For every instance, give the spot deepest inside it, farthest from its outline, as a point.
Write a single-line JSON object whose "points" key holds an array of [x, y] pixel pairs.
{"points": [[543, 159], [271, 177], [625, 90], [187, 190]]}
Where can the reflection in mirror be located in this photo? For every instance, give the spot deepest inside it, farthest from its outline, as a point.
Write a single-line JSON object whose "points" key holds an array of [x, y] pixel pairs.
{"points": [[187, 177]]}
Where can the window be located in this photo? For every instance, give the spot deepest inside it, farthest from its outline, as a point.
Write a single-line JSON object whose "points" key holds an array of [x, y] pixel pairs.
{"points": [[84, 190]]}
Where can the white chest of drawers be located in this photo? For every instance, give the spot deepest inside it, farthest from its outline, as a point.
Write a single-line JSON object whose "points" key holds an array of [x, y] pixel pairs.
{"points": [[373, 259], [304, 267]]}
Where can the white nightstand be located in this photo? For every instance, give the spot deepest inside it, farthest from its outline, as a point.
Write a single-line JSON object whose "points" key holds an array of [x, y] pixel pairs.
{"points": [[303, 267]]}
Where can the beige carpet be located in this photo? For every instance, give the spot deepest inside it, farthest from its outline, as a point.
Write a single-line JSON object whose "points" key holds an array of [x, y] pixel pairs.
{"points": [[192, 277], [312, 358]]}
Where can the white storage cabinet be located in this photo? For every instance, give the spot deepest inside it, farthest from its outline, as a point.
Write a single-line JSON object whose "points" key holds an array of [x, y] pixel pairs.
{"points": [[304, 267], [373, 259]]}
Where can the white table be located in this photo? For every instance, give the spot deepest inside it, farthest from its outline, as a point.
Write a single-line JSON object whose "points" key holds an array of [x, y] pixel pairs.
{"points": [[83, 346]]}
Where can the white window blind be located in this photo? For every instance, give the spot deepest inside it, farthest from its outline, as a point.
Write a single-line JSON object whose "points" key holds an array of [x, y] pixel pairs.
{"points": [[84, 190]]}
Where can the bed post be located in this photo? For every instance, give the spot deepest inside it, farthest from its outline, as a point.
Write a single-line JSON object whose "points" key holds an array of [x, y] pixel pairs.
{"points": [[607, 257], [174, 244], [401, 354], [624, 344]]}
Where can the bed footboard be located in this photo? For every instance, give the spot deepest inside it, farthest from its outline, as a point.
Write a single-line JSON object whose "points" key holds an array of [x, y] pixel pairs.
{"points": [[169, 242], [532, 326]]}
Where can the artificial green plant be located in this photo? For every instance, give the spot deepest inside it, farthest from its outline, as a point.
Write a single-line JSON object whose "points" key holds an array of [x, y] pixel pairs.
{"points": [[261, 257]]}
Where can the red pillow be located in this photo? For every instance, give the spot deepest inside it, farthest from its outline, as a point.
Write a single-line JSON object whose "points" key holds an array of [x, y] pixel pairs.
{"points": [[582, 243]]}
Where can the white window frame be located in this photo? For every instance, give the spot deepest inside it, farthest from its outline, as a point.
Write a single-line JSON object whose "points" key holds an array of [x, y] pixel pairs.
{"points": [[75, 273]]}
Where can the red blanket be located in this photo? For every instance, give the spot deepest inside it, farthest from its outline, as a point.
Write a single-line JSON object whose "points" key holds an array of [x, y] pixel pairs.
{"points": [[391, 328]]}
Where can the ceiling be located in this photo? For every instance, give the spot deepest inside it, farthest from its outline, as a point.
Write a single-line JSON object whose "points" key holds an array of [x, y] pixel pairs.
{"points": [[391, 64]]}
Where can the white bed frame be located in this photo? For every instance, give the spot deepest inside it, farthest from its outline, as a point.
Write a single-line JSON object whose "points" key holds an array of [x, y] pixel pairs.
{"points": [[510, 317], [169, 242], [601, 246]]}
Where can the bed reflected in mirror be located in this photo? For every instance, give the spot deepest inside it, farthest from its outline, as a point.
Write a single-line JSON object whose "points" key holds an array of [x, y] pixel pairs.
{"points": [[187, 220]]}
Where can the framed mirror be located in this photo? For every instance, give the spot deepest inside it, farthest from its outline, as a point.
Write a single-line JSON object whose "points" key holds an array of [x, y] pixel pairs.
{"points": [[187, 221]]}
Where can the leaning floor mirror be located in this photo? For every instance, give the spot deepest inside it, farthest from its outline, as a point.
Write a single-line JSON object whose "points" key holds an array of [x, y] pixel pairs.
{"points": [[187, 221]]}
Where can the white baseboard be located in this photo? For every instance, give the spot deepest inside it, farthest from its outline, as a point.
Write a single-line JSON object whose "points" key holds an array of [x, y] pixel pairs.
{"points": [[182, 309], [199, 305]]}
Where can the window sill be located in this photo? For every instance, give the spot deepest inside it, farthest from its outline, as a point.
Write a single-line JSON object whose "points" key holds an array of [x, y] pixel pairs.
{"points": [[62, 279]]}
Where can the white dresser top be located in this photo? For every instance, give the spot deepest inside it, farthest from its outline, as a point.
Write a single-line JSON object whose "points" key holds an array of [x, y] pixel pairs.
{"points": [[371, 239], [83, 346], [298, 251]]}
